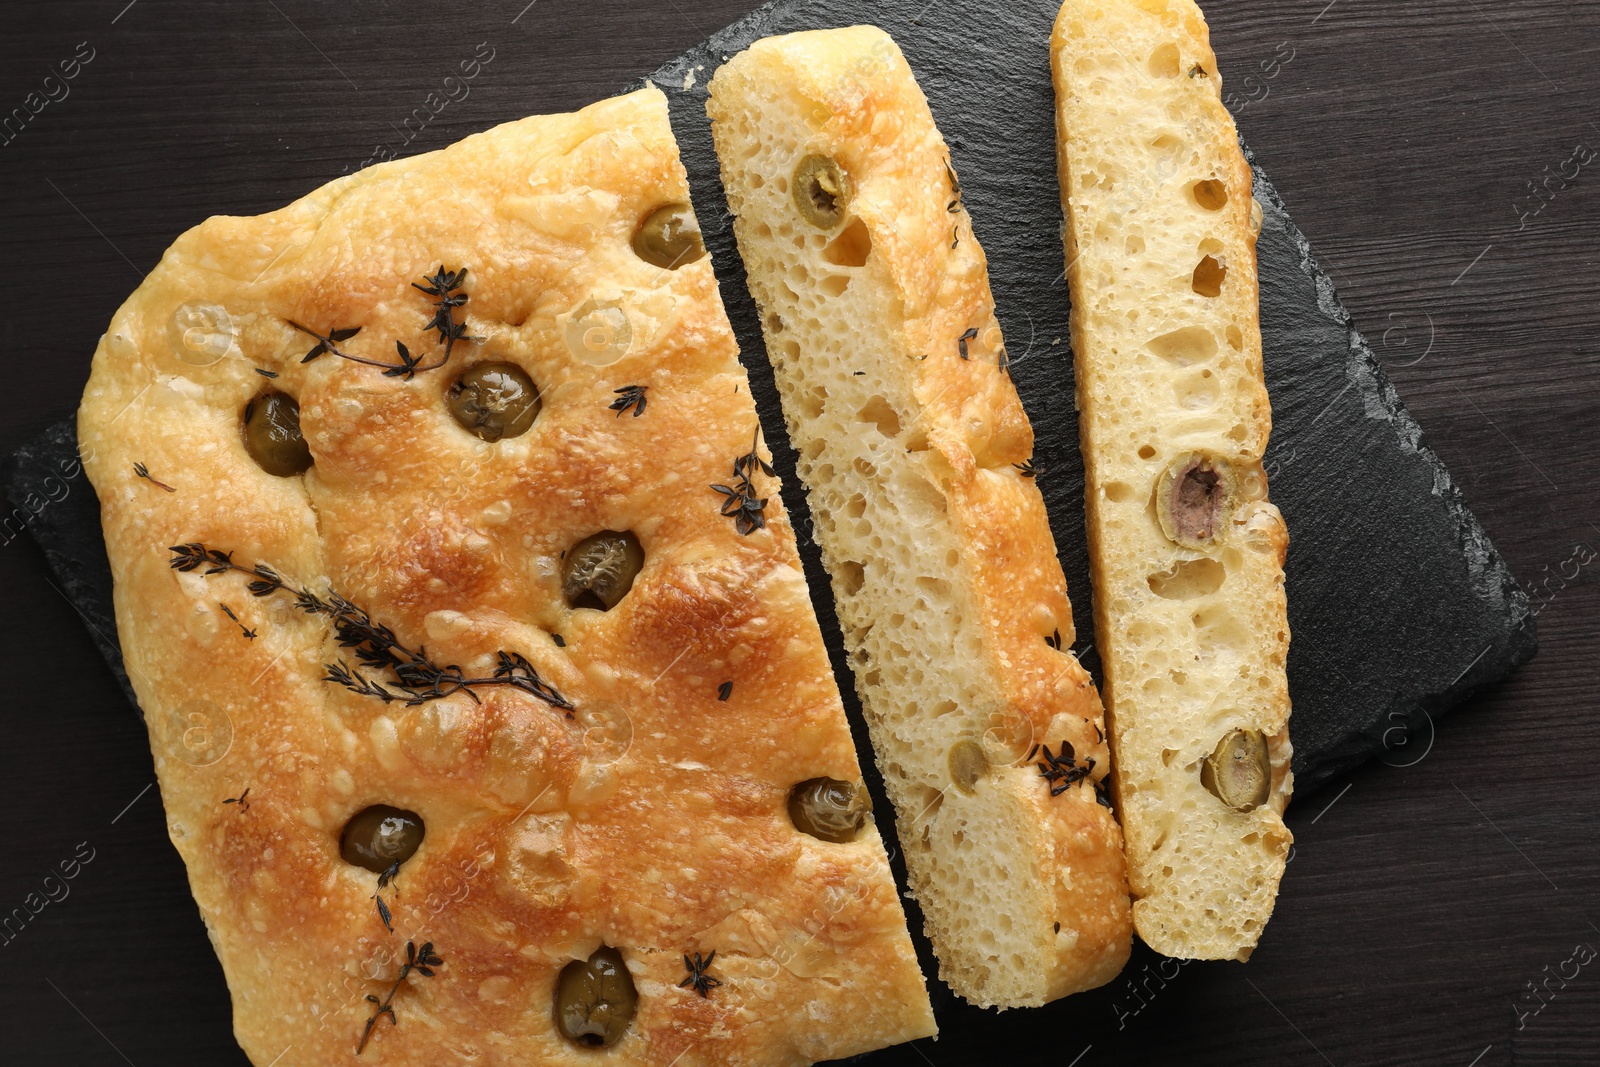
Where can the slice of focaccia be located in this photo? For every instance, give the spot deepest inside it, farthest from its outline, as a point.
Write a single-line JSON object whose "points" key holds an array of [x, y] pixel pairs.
{"points": [[915, 450], [1187, 553], [490, 711]]}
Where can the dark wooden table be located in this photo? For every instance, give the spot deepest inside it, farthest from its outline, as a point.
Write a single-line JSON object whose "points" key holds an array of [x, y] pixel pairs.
{"points": [[1427, 149]]}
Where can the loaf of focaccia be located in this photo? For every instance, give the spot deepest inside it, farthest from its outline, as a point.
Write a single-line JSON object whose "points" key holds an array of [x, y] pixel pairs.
{"points": [[1187, 552], [915, 451], [491, 714]]}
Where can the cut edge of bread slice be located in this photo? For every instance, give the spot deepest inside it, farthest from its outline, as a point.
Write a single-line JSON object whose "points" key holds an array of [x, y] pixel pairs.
{"points": [[912, 444], [1187, 552]]}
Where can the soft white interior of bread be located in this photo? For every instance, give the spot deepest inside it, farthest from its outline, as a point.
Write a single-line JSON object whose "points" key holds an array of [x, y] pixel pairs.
{"points": [[1193, 641]]}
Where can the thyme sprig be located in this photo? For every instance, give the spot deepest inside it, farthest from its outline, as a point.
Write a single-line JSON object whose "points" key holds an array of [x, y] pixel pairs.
{"points": [[423, 961], [406, 368], [141, 471], [955, 188], [442, 285], [630, 396], [1026, 468], [747, 509], [329, 342], [415, 678], [389, 877], [250, 635], [961, 342], [243, 800], [1061, 770], [955, 205], [702, 982]]}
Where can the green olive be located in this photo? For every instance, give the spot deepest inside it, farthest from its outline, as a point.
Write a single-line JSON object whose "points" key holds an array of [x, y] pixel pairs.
{"points": [[1239, 771], [821, 191], [494, 400], [380, 836], [595, 999], [829, 809], [1194, 498], [669, 237], [967, 764], [272, 435], [601, 568]]}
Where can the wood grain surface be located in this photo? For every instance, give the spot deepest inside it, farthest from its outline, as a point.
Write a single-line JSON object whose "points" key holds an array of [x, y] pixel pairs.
{"points": [[1424, 902]]}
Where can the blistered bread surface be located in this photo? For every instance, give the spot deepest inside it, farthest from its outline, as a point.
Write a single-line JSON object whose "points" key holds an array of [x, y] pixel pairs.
{"points": [[653, 817]]}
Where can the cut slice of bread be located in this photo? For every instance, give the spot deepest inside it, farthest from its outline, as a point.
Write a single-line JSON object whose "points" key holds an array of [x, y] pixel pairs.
{"points": [[913, 447], [1187, 553]]}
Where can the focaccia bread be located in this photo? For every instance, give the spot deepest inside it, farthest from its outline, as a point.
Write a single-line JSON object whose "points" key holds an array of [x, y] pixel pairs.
{"points": [[487, 593], [1187, 553], [915, 452]]}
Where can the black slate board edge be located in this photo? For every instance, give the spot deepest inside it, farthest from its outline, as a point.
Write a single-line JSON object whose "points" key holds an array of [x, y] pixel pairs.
{"points": [[1408, 725], [52, 499]]}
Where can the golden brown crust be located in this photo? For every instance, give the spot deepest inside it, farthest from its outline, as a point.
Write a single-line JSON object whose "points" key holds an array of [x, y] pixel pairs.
{"points": [[655, 819], [912, 328]]}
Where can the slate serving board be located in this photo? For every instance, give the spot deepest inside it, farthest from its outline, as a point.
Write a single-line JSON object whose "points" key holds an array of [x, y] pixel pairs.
{"points": [[1399, 605]]}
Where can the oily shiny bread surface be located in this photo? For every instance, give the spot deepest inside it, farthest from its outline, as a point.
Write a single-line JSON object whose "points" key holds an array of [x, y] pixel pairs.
{"points": [[911, 441], [653, 819], [1160, 250]]}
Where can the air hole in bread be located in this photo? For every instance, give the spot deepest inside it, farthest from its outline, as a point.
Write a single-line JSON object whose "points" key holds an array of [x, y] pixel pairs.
{"points": [[851, 576], [1164, 61], [1189, 580], [1118, 492], [1218, 630], [1191, 344], [850, 248], [1210, 194], [1134, 244], [1235, 338], [1147, 452], [882, 415], [835, 284], [1196, 392], [812, 401], [856, 506], [1209, 275]]}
